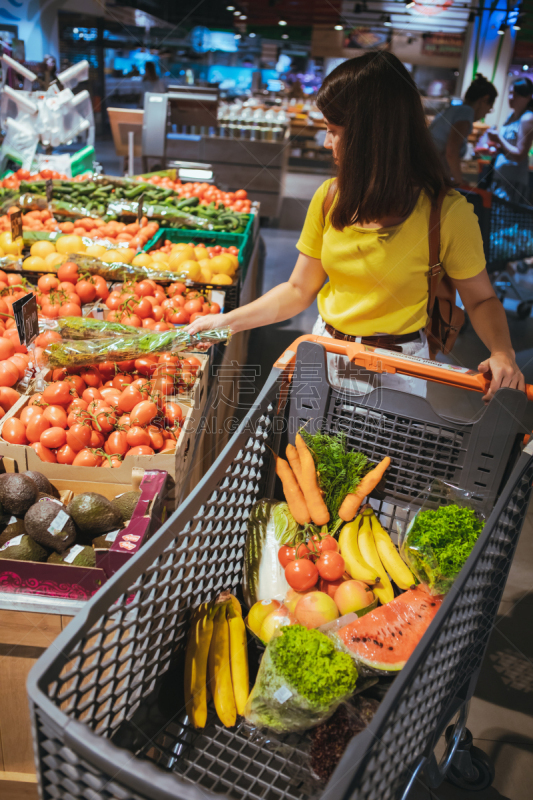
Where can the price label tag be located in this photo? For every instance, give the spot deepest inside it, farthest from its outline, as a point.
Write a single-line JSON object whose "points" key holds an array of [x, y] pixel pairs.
{"points": [[140, 209], [26, 318], [15, 219], [49, 190]]}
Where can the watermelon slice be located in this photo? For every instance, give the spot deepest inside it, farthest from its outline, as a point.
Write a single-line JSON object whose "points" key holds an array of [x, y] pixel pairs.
{"points": [[384, 639]]}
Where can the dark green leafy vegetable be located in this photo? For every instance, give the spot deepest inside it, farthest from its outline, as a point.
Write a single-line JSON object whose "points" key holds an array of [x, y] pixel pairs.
{"points": [[339, 470], [438, 542]]}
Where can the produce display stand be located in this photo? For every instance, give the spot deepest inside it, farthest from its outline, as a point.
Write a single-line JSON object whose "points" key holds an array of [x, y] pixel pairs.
{"points": [[37, 601], [106, 699]]}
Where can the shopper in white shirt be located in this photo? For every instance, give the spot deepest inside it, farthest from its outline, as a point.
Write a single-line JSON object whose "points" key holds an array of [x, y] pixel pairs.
{"points": [[451, 129]]}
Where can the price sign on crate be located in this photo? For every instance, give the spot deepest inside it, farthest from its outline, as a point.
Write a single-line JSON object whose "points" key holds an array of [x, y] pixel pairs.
{"points": [[15, 219], [26, 319]]}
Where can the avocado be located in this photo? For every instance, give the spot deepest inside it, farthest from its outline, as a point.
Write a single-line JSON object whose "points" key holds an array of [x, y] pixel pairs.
{"points": [[17, 493], [93, 515], [77, 556], [125, 504], [40, 518], [11, 530], [42, 483], [23, 548], [103, 542]]}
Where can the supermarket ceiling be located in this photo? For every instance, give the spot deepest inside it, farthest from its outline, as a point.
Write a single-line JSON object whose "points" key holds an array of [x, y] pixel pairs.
{"points": [[432, 16]]}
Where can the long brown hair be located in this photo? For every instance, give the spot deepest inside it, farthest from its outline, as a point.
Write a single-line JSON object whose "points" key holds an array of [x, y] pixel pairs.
{"points": [[386, 154]]}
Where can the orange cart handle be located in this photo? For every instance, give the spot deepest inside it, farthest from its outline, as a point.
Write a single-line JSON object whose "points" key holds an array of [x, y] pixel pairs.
{"points": [[377, 359]]}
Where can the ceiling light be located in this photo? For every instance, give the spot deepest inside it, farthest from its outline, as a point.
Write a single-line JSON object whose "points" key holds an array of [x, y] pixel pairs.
{"points": [[525, 67], [339, 27], [230, 8], [502, 29], [284, 35], [237, 13], [243, 17], [519, 22], [251, 35], [282, 22], [237, 36]]}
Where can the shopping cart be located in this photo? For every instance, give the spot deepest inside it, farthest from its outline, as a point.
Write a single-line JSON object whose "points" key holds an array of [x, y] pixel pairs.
{"points": [[106, 697], [507, 232]]}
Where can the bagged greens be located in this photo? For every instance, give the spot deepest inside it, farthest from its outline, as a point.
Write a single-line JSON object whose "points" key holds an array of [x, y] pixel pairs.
{"points": [[302, 679]]}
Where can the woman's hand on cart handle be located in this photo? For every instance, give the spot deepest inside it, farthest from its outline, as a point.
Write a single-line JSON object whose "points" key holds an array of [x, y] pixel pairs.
{"points": [[503, 372]]}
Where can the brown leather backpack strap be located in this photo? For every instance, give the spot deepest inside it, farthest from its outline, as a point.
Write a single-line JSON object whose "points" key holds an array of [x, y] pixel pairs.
{"points": [[435, 265], [328, 200]]}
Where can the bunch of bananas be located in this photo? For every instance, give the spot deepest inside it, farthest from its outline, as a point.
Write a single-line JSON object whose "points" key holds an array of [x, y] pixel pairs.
{"points": [[216, 662], [370, 555]]}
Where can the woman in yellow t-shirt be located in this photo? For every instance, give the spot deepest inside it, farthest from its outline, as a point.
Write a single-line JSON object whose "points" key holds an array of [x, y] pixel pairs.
{"points": [[367, 260]]}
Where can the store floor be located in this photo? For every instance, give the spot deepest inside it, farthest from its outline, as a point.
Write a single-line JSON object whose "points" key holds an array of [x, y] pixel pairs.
{"points": [[501, 713]]}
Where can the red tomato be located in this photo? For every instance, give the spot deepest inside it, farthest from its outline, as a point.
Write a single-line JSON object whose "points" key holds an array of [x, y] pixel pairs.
{"points": [[301, 575], [126, 366], [44, 453], [116, 444], [53, 437], [100, 283], [91, 376], [143, 308], [180, 318], [68, 272], [330, 565], [140, 451], [193, 306], [78, 403], [196, 315], [173, 413], [58, 393], [107, 370], [9, 374], [97, 439], [321, 545], [106, 421], [120, 381], [65, 455], [29, 412], [112, 462], [36, 427], [157, 440], [86, 458], [147, 365], [111, 395], [143, 413], [79, 436], [193, 362], [69, 310], [143, 289], [214, 309], [14, 431], [86, 291], [113, 301], [131, 319], [7, 348], [8, 397], [137, 436], [91, 394], [77, 382], [130, 397], [56, 416], [286, 554]]}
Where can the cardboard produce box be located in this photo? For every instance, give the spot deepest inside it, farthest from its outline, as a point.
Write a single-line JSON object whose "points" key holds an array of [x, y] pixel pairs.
{"points": [[80, 583], [176, 464]]}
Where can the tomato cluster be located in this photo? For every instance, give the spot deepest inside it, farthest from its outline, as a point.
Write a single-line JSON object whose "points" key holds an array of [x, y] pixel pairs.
{"points": [[13, 181], [146, 305], [207, 192], [134, 234], [64, 295], [96, 416], [32, 221], [306, 564]]}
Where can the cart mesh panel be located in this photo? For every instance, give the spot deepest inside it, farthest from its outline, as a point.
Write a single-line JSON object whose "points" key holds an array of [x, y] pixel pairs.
{"points": [[110, 671], [511, 232], [417, 449]]}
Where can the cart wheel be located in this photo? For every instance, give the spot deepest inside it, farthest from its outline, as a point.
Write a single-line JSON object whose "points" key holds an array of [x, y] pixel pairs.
{"points": [[477, 771], [523, 310]]}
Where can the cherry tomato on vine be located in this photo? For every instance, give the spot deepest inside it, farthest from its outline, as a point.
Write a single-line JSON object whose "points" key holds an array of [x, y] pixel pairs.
{"points": [[301, 575], [330, 565]]}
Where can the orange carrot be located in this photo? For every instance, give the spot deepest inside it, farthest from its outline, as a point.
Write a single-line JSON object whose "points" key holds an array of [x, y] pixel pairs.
{"points": [[351, 503], [313, 496], [293, 493], [294, 460]]}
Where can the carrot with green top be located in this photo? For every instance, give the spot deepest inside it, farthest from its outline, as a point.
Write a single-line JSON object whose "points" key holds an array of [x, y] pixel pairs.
{"points": [[310, 488], [351, 503], [293, 494]]}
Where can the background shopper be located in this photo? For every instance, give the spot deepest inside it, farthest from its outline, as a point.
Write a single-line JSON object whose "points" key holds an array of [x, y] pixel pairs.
{"points": [[451, 128], [367, 258], [511, 168]]}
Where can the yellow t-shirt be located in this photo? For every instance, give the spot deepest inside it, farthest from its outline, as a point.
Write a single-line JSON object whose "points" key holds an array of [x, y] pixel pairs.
{"points": [[377, 278]]}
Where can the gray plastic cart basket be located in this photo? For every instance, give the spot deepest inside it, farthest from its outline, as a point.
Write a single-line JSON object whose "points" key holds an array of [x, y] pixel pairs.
{"points": [[106, 696]]}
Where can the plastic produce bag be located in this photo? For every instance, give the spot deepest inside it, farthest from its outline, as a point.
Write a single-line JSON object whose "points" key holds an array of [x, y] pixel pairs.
{"points": [[441, 536], [80, 353], [118, 271], [86, 328], [302, 679], [20, 141]]}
